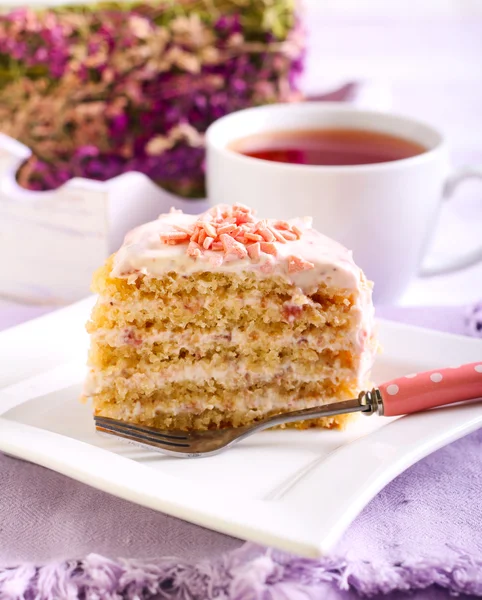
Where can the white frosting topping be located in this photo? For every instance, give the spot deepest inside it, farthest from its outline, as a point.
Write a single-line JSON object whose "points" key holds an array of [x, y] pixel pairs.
{"points": [[307, 262]]}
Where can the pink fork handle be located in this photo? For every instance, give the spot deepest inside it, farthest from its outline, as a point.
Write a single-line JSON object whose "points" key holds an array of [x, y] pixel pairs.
{"points": [[420, 391]]}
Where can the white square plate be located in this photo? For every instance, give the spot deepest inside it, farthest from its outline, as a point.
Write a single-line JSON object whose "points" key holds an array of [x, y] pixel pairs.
{"points": [[296, 490]]}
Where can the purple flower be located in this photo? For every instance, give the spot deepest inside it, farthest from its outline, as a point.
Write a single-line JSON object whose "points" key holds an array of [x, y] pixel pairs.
{"points": [[227, 25], [118, 125], [119, 59]]}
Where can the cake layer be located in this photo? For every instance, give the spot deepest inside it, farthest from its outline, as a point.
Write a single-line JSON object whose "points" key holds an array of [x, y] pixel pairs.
{"points": [[286, 319], [218, 418], [248, 403], [146, 358], [230, 367], [169, 302]]}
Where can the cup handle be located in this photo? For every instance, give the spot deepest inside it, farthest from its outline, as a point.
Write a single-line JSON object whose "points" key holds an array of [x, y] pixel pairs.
{"points": [[469, 258]]}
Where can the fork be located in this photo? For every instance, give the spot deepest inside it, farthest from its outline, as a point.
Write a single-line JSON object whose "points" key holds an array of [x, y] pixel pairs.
{"points": [[409, 394]]}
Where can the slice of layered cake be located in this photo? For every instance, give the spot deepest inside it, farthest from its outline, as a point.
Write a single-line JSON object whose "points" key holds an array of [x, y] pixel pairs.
{"points": [[221, 319]]}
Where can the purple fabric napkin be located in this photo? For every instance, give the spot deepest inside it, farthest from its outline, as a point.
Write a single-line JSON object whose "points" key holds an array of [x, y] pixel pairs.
{"points": [[421, 534]]}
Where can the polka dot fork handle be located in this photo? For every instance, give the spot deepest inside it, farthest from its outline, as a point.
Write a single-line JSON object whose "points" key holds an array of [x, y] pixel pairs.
{"points": [[421, 391]]}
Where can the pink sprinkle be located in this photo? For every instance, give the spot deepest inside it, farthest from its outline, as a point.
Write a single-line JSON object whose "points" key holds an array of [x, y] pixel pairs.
{"points": [[254, 237], [277, 235], [215, 212], [217, 246], [194, 250], [289, 236], [226, 229], [240, 250], [242, 207], [227, 241], [269, 248], [296, 231], [267, 235], [242, 218], [232, 247], [282, 225], [296, 264], [195, 235], [254, 251], [210, 230], [208, 242], [202, 237]]}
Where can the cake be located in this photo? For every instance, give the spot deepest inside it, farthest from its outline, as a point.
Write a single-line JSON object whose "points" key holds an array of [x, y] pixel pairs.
{"points": [[221, 319]]}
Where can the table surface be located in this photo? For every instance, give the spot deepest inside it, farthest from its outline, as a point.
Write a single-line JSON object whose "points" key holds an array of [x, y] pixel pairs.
{"points": [[424, 63]]}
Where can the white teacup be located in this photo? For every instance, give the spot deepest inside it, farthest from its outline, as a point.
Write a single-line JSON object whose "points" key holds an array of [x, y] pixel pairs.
{"points": [[385, 212]]}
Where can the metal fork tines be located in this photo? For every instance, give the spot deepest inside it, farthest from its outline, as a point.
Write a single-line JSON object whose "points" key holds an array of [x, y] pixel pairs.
{"points": [[140, 433], [203, 443]]}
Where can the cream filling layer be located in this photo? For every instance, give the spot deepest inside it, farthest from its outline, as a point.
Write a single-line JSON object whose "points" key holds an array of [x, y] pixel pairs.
{"points": [[198, 338], [254, 298], [237, 373]]}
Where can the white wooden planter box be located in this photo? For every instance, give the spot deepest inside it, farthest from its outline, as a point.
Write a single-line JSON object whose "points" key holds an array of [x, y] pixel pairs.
{"points": [[51, 242]]}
